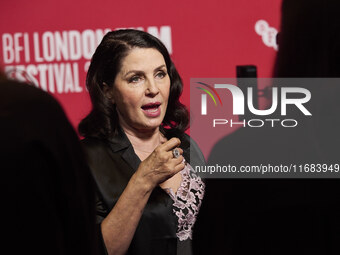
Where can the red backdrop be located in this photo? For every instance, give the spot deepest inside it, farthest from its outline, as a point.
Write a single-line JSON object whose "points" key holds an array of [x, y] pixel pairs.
{"points": [[51, 42]]}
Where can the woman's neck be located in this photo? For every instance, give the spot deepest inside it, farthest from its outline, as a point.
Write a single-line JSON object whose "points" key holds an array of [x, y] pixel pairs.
{"points": [[143, 140]]}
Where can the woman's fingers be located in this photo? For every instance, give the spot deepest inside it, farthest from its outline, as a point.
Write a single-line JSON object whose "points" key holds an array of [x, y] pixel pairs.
{"points": [[170, 154], [178, 160], [171, 144], [179, 168], [162, 164], [177, 164], [166, 149]]}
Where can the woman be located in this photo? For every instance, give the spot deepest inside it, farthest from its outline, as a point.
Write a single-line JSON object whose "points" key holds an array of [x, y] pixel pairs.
{"points": [[148, 196]]}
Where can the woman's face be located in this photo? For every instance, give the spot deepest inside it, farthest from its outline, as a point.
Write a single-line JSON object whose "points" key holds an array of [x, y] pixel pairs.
{"points": [[141, 90]]}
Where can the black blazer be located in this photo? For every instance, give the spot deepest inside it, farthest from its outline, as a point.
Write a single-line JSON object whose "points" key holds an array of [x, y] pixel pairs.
{"points": [[112, 163]]}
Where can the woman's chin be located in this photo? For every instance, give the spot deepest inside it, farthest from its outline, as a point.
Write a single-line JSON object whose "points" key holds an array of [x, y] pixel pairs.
{"points": [[152, 124]]}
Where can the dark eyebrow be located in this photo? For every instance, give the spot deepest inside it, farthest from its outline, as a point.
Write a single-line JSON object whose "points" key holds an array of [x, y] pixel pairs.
{"points": [[141, 72], [133, 71], [160, 67]]}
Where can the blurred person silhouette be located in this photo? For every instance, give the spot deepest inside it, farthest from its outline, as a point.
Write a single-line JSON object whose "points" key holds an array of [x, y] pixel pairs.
{"points": [[283, 216], [49, 203]]}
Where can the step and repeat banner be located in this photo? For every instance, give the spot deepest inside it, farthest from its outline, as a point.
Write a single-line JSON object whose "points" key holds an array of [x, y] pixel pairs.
{"points": [[50, 43]]}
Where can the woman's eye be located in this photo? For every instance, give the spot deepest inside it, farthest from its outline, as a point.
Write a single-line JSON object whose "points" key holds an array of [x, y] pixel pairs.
{"points": [[160, 74], [134, 79]]}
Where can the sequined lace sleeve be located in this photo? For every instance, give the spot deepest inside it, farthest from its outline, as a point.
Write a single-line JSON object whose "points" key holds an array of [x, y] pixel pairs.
{"points": [[187, 202]]}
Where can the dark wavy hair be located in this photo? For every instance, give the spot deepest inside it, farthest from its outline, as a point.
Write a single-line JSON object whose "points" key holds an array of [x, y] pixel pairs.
{"points": [[102, 121]]}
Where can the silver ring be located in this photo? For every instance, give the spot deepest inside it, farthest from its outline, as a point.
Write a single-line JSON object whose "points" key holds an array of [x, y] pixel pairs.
{"points": [[175, 153]]}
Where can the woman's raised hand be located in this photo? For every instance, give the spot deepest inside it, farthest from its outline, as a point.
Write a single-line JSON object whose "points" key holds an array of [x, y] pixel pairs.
{"points": [[161, 164]]}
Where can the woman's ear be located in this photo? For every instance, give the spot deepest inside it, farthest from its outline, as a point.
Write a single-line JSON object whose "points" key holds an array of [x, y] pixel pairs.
{"points": [[108, 92]]}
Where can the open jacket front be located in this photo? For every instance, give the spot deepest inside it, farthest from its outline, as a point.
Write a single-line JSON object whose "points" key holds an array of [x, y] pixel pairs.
{"points": [[112, 163]]}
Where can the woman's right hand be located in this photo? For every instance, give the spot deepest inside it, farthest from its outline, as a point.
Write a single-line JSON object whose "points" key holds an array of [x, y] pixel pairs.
{"points": [[160, 165]]}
